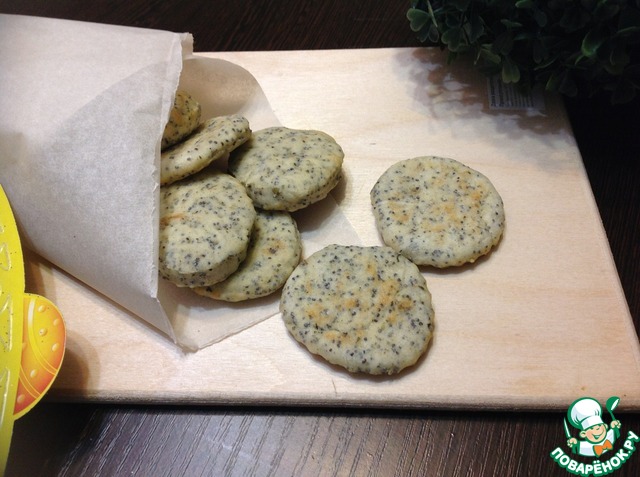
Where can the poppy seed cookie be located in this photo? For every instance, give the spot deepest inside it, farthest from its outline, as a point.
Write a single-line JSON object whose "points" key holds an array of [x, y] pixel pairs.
{"points": [[287, 169], [184, 118], [205, 225], [367, 309], [274, 251], [214, 139], [437, 211]]}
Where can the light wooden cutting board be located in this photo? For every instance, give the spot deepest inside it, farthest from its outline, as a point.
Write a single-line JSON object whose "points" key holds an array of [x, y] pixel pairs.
{"points": [[537, 324]]}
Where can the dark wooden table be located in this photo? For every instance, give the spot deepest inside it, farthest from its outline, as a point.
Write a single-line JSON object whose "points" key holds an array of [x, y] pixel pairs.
{"points": [[105, 440]]}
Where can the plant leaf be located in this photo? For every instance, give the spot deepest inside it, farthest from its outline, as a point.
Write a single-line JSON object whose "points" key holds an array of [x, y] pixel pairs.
{"points": [[433, 34], [525, 4], [510, 23], [539, 52], [503, 43], [474, 28], [453, 38], [591, 42], [417, 18], [628, 31], [619, 56], [540, 17], [510, 72], [460, 5], [553, 82], [490, 56]]}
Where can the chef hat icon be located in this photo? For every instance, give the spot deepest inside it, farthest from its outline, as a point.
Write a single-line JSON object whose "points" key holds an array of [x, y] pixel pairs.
{"points": [[584, 413]]}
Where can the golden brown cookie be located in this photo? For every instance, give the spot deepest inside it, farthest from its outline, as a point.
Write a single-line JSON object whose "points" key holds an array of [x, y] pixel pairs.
{"points": [[367, 309]]}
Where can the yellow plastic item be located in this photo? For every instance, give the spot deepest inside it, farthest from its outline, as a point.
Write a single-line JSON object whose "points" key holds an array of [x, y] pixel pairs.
{"points": [[32, 335]]}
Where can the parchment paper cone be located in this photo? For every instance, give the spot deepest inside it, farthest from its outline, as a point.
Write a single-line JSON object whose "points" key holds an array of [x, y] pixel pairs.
{"points": [[83, 110]]}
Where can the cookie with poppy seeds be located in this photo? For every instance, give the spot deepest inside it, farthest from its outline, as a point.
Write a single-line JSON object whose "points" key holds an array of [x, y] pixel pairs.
{"points": [[287, 169], [184, 118], [212, 140], [367, 309], [205, 226], [437, 211], [274, 251]]}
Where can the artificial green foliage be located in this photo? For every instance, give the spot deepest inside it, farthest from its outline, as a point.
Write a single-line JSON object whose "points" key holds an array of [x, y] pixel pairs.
{"points": [[574, 47]]}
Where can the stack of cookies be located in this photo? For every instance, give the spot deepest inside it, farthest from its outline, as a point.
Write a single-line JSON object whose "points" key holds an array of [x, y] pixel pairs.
{"points": [[229, 234]]}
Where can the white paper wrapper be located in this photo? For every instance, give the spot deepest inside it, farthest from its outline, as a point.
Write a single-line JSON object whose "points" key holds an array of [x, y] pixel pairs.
{"points": [[83, 110]]}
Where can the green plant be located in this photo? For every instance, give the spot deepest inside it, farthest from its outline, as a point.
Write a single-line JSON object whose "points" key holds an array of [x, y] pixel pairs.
{"points": [[574, 47]]}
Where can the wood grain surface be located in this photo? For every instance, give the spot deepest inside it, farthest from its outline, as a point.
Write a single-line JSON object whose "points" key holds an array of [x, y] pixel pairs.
{"points": [[504, 327], [87, 439]]}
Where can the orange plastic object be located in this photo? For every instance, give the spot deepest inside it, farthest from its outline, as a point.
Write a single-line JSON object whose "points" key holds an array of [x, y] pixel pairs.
{"points": [[43, 344]]}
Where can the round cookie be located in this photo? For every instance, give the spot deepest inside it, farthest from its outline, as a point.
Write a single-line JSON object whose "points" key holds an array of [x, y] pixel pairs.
{"points": [[287, 169], [274, 251], [214, 139], [205, 225], [184, 118], [437, 211], [367, 309]]}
